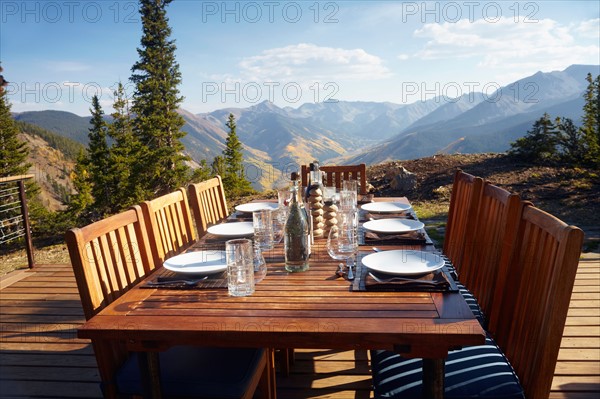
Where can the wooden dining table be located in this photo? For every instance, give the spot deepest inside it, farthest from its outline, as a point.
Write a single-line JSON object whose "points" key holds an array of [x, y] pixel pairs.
{"points": [[317, 308]]}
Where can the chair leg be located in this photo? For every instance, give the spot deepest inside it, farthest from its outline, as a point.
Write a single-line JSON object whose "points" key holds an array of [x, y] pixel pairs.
{"points": [[267, 384], [285, 360], [291, 356]]}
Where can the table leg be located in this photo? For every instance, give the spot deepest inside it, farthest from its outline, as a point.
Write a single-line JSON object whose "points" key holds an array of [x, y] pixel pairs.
{"points": [[150, 370], [433, 378]]}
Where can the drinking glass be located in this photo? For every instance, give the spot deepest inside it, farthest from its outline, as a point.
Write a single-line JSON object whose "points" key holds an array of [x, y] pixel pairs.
{"points": [[279, 217], [260, 266], [284, 196], [342, 243], [350, 185], [329, 194], [348, 200], [240, 267], [262, 222]]}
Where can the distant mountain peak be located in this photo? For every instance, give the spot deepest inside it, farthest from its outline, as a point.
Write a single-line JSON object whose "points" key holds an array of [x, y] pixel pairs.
{"points": [[277, 138]]}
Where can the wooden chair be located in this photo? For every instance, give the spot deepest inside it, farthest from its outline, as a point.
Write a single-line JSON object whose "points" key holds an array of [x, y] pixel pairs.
{"points": [[495, 228], [541, 270], [170, 225], [109, 257], [460, 228], [208, 203], [520, 354], [334, 175]]}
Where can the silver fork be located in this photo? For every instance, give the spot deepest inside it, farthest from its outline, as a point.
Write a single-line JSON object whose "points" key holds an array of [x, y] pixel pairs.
{"points": [[396, 278]]}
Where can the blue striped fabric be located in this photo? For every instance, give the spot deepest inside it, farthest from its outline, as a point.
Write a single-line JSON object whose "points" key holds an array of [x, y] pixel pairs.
{"points": [[472, 372], [466, 294], [472, 302]]}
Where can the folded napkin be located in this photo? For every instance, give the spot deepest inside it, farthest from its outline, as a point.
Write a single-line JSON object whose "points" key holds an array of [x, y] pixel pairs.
{"points": [[177, 282], [413, 237], [431, 282], [397, 215]]}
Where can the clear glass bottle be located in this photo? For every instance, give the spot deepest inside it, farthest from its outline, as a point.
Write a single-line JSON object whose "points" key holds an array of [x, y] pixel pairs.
{"points": [[296, 238], [314, 199]]}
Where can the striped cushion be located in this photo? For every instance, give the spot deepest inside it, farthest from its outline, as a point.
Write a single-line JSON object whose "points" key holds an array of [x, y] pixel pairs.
{"points": [[472, 302], [472, 372], [469, 298]]}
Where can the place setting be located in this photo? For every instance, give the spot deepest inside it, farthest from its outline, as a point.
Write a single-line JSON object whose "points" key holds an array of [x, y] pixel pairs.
{"points": [[203, 268], [243, 212], [392, 231], [225, 231], [235, 262], [402, 271], [386, 210]]}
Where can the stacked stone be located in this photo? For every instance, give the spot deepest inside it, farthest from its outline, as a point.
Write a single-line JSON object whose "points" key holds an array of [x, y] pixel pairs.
{"points": [[330, 214], [315, 200]]}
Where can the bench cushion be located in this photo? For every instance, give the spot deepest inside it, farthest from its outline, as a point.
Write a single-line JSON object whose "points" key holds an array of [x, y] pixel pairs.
{"points": [[472, 372], [194, 371], [472, 302]]}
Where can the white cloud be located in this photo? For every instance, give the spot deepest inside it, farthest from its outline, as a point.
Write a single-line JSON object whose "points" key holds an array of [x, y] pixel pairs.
{"points": [[508, 46], [308, 62], [589, 29], [68, 66]]}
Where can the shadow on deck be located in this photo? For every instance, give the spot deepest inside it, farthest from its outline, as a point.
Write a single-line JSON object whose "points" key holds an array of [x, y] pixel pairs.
{"points": [[41, 356]]}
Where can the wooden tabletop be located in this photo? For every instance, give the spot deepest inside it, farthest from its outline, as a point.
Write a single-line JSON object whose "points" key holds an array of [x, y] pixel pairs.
{"points": [[312, 309]]}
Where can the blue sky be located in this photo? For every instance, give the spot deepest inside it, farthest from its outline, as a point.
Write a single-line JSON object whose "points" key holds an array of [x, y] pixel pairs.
{"points": [[57, 54]]}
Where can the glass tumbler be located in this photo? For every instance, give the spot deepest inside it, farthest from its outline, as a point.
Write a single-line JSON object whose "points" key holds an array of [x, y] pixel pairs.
{"points": [[240, 267], [262, 221]]}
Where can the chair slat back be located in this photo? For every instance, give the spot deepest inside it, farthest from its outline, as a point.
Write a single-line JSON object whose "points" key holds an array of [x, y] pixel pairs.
{"points": [[109, 257], [535, 298], [495, 230], [208, 203], [464, 202], [334, 175], [170, 225]]}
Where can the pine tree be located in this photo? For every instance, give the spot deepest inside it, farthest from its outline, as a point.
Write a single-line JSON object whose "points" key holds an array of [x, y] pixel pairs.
{"points": [[13, 152], [219, 167], [570, 140], [539, 144], [156, 99], [82, 201], [591, 120], [98, 160], [234, 180], [123, 157], [202, 172]]}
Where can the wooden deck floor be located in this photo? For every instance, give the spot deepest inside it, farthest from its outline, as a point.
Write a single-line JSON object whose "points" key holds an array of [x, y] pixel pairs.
{"points": [[41, 356]]}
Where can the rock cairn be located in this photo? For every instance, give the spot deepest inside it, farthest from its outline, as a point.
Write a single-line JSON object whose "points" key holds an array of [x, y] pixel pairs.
{"points": [[330, 210], [315, 200]]}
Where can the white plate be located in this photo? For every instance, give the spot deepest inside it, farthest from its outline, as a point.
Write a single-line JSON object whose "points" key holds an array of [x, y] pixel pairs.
{"points": [[403, 262], [256, 206], [386, 207], [393, 225], [234, 229], [200, 262]]}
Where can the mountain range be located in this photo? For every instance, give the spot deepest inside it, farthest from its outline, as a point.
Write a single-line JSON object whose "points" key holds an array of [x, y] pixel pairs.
{"points": [[277, 140]]}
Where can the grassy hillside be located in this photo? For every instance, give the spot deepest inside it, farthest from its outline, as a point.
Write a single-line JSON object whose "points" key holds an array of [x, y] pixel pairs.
{"points": [[65, 123], [572, 194], [70, 148]]}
